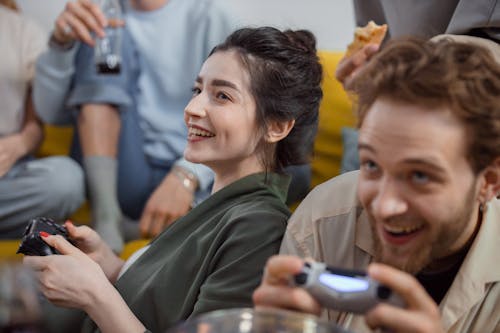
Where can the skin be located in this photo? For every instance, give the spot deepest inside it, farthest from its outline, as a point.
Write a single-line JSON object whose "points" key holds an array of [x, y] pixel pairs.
{"points": [[414, 173], [85, 16], [429, 185], [223, 106], [349, 67], [14, 147], [82, 276]]}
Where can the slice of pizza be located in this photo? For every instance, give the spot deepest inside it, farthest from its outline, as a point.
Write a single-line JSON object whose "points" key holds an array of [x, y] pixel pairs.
{"points": [[371, 33]]}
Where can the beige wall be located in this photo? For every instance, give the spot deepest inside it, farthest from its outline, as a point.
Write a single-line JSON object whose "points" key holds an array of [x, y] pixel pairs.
{"points": [[331, 21]]}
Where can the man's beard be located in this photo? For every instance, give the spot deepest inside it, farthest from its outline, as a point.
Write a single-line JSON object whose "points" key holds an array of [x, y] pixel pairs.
{"points": [[435, 246]]}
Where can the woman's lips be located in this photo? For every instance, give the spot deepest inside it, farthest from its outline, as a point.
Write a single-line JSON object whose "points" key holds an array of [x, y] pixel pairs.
{"points": [[197, 133]]}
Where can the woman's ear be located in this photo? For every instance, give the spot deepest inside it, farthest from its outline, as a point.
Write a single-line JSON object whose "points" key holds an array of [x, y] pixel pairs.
{"points": [[277, 130], [491, 182]]}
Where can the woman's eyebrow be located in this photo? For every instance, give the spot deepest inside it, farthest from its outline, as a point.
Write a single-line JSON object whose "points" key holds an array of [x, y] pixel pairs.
{"points": [[224, 83]]}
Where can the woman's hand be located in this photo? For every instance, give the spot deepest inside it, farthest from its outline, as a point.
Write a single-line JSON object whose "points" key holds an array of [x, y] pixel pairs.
{"points": [[71, 279], [349, 67], [275, 289], [74, 280], [78, 20], [90, 243], [421, 313]]}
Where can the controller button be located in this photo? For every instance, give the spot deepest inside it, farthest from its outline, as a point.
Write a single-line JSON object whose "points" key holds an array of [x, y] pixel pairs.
{"points": [[383, 292]]}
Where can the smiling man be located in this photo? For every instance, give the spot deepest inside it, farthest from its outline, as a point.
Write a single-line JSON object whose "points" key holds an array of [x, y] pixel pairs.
{"points": [[421, 215]]}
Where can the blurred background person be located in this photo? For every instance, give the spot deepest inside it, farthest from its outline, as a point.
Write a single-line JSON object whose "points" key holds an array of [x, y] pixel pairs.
{"points": [[29, 187], [130, 126], [475, 21]]}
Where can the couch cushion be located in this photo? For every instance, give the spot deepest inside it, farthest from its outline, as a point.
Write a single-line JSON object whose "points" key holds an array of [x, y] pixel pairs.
{"points": [[335, 112]]}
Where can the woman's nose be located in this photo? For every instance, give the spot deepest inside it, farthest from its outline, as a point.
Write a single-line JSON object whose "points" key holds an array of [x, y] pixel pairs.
{"points": [[195, 107]]}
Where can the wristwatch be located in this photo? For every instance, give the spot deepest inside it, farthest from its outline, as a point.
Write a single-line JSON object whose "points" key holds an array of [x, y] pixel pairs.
{"points": [[187, 178]]}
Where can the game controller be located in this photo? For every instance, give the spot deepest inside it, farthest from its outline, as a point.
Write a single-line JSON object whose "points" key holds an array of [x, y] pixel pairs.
{"points": [[344, 290], [32, 243]]}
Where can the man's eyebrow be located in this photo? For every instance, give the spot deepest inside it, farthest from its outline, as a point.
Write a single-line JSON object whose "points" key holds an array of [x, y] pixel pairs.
{"points": [[362, 145], [425, 162], [224, 83]]}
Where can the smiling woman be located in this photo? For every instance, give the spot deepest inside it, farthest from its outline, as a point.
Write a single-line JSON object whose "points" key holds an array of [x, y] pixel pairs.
{"points": [[256, 97], [253, 106]]}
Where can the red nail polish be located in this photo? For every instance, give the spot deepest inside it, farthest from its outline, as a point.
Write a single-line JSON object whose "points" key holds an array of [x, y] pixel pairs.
{"points": [[68, 222], [44, 234]]}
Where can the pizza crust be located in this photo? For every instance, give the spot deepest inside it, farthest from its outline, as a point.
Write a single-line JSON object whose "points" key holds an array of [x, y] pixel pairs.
{"points": [[371, 33]]}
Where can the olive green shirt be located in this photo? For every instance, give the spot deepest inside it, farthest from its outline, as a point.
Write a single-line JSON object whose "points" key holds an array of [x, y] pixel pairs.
{"points": [[210, 259]]}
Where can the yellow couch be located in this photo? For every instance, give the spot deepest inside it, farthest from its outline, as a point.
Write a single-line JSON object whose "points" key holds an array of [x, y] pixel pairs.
{"points": [[335, 112]]}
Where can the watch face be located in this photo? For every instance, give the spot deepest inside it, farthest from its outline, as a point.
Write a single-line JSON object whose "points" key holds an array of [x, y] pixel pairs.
{"points": [[343, 283]]}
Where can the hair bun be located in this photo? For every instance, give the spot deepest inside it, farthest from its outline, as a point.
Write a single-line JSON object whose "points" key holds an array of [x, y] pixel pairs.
{"points": [[303, 40]]}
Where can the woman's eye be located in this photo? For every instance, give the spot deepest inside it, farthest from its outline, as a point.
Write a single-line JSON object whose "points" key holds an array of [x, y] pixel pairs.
{"points": [[223, 96], [419, 177], [196, 91]]}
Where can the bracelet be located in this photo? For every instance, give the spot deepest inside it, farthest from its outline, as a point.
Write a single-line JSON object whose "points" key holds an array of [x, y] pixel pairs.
{"points": [[188, 179]]}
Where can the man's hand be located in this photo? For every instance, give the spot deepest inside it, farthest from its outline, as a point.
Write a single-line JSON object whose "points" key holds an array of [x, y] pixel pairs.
{"points": [[168, 202], [276, 291], [421, 313], [11, 150], [78, 20], [349, 67]]}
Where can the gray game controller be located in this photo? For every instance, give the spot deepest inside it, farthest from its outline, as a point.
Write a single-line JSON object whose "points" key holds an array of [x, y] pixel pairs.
{"points": [[344, 290]]}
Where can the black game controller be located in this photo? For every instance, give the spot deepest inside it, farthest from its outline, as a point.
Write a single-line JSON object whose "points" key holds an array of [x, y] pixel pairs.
{"points": [[32, 243]]}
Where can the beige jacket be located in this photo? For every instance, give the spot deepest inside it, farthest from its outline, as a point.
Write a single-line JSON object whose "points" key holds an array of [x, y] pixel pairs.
{"points": [[331, 226]]}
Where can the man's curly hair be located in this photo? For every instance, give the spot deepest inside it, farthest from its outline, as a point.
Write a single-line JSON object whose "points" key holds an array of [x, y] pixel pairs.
{"points": [[463, 77]]}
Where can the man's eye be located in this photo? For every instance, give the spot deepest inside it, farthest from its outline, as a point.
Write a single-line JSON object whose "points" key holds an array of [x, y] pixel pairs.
{"points": [[420, 177], [369, 166], [196, 91]]}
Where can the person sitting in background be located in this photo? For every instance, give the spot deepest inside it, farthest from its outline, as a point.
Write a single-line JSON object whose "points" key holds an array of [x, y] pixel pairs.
{"points": [[254, 111], [130, 132], [467, 21], [421, 215], [29, 187]]}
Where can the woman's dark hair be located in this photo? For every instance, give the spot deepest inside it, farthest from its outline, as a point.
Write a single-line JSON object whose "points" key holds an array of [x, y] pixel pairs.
{"points": [[285, 76]]}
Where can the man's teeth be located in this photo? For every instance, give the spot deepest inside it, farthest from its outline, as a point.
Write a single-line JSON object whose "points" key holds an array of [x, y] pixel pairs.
{"points": [[401, 230], [200, 132]]}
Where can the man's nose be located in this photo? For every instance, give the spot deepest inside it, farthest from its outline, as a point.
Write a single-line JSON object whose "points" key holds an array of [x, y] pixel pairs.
{"points": [[389, 200]]}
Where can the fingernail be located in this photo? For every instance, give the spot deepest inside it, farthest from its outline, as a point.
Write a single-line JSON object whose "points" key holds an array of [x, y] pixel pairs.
{"points": [[68, 222], [44, 234]]}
